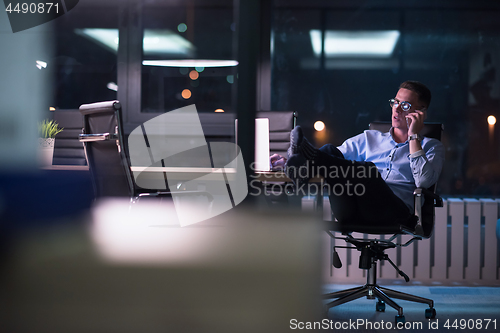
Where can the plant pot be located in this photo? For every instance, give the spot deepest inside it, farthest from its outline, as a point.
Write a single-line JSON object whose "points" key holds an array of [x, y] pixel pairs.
{"points": [[45, 151]]}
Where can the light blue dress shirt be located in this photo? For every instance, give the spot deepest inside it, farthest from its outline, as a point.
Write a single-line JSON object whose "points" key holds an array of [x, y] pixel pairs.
{"points": [[402, 171]]}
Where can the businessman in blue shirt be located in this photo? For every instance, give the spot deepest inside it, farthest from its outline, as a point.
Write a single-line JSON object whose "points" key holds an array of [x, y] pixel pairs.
{"points": [[373, 175]]}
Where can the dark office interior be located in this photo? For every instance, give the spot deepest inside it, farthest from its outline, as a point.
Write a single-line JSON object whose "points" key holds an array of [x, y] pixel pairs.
{"points": [[249, 56], [452, 46]]}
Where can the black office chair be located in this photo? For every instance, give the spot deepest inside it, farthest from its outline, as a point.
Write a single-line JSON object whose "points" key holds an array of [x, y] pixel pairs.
{"points": [[280, 125], [372, 249], [107, 158], [67, 148]]}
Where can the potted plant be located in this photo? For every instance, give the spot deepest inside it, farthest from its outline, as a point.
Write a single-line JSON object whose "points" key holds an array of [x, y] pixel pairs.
{"points": [[47, 130]]}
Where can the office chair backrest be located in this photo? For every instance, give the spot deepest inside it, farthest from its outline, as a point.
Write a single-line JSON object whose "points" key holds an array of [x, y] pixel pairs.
{"points": [[103, 140], [68, 150], [280, 125], [430, 130]]}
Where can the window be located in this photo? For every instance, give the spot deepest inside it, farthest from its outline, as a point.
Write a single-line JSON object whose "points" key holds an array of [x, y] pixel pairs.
{"points": [[453, 49], [84, 64], [187, 56]]}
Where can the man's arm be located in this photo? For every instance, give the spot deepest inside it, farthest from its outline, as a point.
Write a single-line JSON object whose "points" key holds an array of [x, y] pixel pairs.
{"points": [[354, 148], [426, 163], [416, 120]]}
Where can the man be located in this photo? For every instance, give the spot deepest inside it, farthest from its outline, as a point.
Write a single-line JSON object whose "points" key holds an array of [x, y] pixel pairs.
{"points": [[403, 160]]}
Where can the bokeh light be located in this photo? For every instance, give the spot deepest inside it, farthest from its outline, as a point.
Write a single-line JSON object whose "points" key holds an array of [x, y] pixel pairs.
{"points": [[193, 75], [492, 120], [319, 126], [186, 94], [182, 27]]}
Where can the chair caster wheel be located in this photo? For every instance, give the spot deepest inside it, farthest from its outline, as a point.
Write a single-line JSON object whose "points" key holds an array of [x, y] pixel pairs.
{"points": [[400, 319], [381, 306], [430, 313]]}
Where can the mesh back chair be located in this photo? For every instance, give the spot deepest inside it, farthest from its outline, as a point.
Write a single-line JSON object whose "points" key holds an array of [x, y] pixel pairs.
{"points": [[372, 248], [107, 158]]}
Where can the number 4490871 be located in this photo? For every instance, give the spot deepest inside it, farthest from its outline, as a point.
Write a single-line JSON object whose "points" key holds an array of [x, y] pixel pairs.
{"points": [[470, 324], [32, 8]]}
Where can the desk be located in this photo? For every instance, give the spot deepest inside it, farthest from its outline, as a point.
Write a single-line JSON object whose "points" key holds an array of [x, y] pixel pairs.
{"points": [[66, 167], [186, 173], [273, 177], [189, 173], [177, 173], [280, 176]]}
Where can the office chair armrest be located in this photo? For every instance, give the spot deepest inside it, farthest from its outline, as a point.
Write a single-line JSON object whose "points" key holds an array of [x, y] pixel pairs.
{"points": [[97, 137], [428, 195], [419, 191]]}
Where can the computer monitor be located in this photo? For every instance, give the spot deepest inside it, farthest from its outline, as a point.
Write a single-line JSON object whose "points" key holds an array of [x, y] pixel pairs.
{"points": [[262, 152]]}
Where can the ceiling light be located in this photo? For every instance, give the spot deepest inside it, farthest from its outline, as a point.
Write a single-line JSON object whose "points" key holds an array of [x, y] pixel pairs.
{"points": [[155, 41], [191, 63], [343, 43]]}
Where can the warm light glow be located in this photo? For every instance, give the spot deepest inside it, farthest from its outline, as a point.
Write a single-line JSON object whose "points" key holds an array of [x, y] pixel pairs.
{"points": [[193, 75], [52, 108], [219, 110], [319, 126], [492, 120], [186, 93]]}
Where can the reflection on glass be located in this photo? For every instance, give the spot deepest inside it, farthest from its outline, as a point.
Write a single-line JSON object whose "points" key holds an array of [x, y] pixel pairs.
{"points": [[355, 43], [159, 42], [200, 65]]}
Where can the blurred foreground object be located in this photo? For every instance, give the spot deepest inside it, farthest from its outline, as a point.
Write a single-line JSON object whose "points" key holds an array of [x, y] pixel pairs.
{"points": [[239, 272]]}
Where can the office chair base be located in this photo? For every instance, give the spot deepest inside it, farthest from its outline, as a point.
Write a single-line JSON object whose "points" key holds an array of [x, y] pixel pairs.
{"points": [[384, 297]]}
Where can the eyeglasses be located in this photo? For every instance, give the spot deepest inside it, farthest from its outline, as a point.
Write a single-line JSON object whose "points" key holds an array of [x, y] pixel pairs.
{"points": [[405, 106]]}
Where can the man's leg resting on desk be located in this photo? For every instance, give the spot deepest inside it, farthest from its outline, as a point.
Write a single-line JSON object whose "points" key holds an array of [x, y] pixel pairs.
{"points": [[356, 189]]}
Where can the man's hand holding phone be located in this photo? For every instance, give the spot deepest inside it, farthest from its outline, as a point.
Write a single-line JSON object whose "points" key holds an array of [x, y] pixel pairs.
{"points": [[415, 121]]}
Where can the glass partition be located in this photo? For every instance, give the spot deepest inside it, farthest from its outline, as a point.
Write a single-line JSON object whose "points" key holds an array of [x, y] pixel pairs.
{"points": [[187, 54], [340, 62], [86, 49]]}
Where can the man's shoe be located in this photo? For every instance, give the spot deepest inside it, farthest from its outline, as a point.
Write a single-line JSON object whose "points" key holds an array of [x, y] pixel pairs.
{"points": [[296, 137], [300, 145]]}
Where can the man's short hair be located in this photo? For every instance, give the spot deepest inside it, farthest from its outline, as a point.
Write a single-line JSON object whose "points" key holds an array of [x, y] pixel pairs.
{"points": [[424, 94]]}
